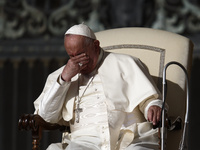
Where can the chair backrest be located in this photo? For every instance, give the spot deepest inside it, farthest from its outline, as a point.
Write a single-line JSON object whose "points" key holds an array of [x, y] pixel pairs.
{"points": [[156, 48]]}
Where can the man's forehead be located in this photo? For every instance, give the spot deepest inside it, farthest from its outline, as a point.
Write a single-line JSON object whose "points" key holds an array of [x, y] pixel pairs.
{"points": [[74, 38]]}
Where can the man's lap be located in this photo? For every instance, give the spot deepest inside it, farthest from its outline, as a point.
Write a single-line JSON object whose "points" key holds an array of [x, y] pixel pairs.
{"points": [[73, 146], [143, 146]]}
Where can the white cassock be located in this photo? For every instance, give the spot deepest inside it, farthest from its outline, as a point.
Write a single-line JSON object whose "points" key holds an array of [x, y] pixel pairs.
{"points": [[114, 106]]}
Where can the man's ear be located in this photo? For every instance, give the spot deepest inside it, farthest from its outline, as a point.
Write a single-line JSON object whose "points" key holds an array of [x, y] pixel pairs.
{"points": [[96, 45]]}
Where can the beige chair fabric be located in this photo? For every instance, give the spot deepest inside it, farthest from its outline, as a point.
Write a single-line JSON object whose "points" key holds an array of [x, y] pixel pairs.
{"points": [[156, 48]]}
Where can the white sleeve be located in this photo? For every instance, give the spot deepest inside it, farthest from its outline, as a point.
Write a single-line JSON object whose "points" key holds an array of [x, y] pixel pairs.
{"points": [[155, 103], [50, 106]]}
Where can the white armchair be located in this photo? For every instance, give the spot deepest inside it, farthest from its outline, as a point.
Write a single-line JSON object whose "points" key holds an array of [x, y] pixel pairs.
{"points": [[156, 48]]}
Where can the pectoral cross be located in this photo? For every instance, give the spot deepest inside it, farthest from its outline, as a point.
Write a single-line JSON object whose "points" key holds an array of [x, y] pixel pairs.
{"points": [[78, 110]]}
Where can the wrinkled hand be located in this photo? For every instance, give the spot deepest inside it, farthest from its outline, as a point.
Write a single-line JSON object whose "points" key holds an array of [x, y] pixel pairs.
{"points": [[72, 67], [154, 114]]}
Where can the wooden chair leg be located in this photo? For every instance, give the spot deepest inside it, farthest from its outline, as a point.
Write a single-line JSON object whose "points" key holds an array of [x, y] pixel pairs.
{"points": [[36, 137], [36, 144]]}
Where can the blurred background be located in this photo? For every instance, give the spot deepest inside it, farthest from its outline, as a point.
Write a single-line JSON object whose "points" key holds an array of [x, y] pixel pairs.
{"points": [[31, 47]]}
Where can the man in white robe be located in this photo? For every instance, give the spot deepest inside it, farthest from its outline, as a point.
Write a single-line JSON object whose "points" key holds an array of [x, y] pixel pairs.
{"points": [[106, 98]]}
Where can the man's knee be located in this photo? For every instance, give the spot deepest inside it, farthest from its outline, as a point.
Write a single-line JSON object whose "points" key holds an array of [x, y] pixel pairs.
{"points": [[56, 146]]}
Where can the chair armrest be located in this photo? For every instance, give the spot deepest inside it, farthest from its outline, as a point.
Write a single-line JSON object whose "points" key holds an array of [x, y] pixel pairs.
{"points": [[37, 124], [174, 123]]}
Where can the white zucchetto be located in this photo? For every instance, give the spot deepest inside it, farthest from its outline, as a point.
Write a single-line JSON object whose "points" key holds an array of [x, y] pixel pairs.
{"points": [[81, 29]]}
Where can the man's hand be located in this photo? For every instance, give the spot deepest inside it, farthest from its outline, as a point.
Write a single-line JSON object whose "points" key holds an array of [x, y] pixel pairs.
{"points": [[72, 67], [154, 114]]}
